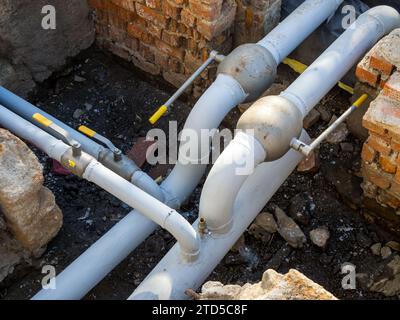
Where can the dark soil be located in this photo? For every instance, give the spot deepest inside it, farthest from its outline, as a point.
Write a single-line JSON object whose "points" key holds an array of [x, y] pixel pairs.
{"points": [[121, 104]]}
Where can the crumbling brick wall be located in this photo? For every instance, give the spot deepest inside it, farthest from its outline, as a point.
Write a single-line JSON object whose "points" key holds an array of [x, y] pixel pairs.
{"points": [[171, 38], [380, 70]]}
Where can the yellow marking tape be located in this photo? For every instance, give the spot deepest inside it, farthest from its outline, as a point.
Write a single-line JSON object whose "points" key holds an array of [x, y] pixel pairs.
{"points": [[42, 120]]}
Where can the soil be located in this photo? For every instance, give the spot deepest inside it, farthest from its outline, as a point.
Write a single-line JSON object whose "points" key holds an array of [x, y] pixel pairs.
{"points": [[122, 101]]}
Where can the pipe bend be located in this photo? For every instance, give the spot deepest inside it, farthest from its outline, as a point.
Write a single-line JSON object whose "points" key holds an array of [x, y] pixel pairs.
{"points": [[231, 170], [387, 17]]}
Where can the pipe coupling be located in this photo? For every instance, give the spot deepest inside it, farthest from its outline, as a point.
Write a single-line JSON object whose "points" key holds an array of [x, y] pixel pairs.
{"points": [[274, 121], [124, 168], [253, 66], [76, 163]]}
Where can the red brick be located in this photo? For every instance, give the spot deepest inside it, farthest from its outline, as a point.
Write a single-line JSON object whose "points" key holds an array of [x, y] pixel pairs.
{"points": [[208, 11], [373, 174], [379, 144], [381, 64], [151, 15], [172, 51], [368, 154], [392, 87], [369, 76], [137, 31], [388, 163]]}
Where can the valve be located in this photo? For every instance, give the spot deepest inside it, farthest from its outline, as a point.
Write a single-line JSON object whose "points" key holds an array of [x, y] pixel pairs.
{"points": [[60, 133], [94, 135], [214, 56], [306, 149]]}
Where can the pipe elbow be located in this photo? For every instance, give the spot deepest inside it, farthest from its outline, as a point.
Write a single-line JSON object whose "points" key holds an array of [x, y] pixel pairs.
{"points": [[274, 121], [388, 18], [185, 234]]}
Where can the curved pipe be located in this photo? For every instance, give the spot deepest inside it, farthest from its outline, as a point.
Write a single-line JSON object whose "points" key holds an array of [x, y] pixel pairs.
{"points": [[153, 209], [327, 71], [78, 278], [225, 179], [95, 172], [170, 279]]}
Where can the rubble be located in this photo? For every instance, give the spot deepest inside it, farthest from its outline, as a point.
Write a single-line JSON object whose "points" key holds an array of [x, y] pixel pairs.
{"points": [[274, 286]]}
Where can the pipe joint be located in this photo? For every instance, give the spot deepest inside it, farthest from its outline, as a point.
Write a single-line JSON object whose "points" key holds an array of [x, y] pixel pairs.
{"points": [[275, 121], [76, 163], [253, 66], [125, 168]]}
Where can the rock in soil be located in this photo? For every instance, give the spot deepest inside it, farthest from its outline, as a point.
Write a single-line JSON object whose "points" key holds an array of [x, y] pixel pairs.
{"points": [[259, 233], [376, 249], [309, 164], [29, 215], [274, 286], [311, 119], [393, 245], [386, 252], [289, 230], [267, 221], [388, 283], [301, 207], [320, 237], [340, 134]]}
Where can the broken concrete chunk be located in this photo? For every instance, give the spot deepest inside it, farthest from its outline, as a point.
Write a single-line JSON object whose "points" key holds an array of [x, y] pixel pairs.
{"points": [[340, 134], [274, 286], [289, 230]]}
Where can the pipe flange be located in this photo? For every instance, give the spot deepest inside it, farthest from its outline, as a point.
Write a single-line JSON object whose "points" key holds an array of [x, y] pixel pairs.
{"points": [[274, 121], [253, 66]]}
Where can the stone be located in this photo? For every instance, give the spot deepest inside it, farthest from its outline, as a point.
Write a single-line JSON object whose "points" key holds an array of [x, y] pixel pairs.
{"points": [[346, 147], [394, 245], [78, 113], [301, 207], [388, 282], [259, 233], [239, 244], [310, 164], [376, 249], [289, 230], [320, 237], [340, 134], [326, 115], [311, 119], [34, 53], [386, 252], [274, 286], [29, 208], [79, 79], [266, 221]]}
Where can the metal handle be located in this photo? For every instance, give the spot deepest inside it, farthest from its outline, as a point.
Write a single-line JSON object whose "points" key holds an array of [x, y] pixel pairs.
{"points": [[306, 149], [60, 132], [94, 135], [214, 56]]}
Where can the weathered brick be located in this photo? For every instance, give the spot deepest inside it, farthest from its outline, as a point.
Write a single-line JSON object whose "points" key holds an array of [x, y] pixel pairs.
{"points": [[392, 87], [388, 163], [151, 15], [365, 74], [368, 153], [379, 144], [377, 176]]}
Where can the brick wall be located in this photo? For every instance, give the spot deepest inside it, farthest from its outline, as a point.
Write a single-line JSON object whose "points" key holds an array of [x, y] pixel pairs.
{"points": [[380, 69], [171, 38]]}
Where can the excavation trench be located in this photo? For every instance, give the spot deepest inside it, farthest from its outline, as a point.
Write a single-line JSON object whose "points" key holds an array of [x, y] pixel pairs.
{"points": [[116, 102]]}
